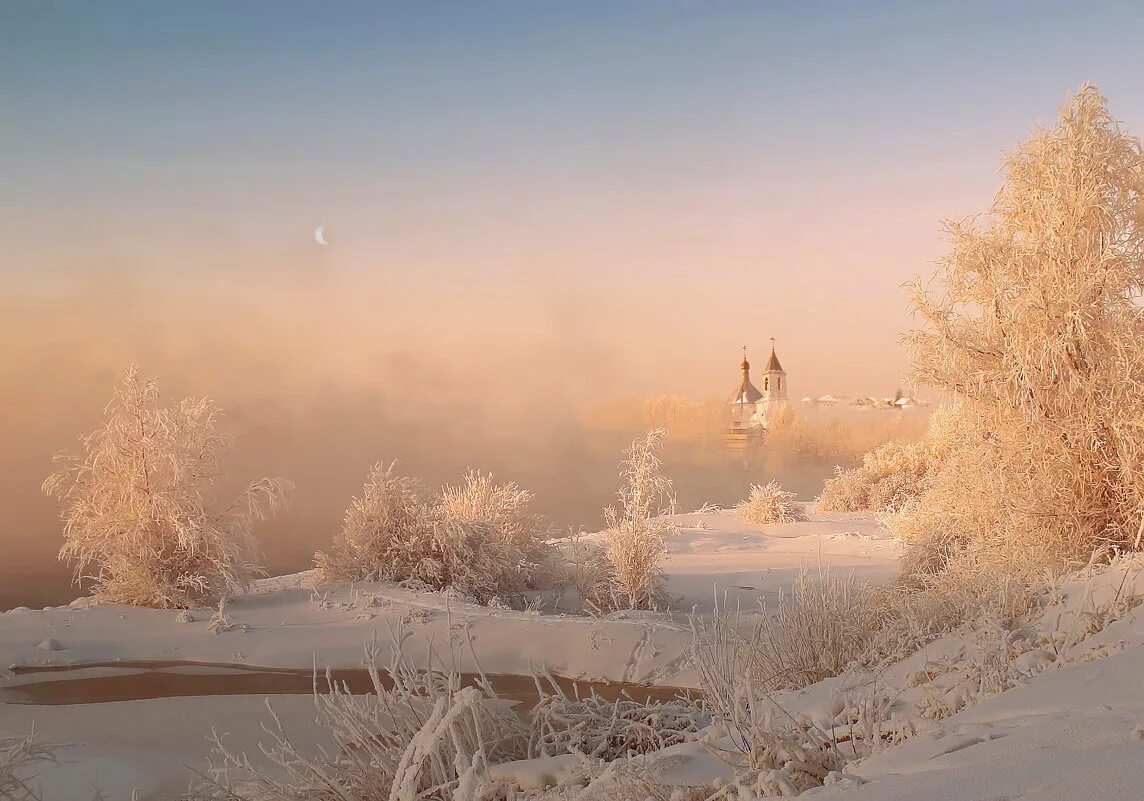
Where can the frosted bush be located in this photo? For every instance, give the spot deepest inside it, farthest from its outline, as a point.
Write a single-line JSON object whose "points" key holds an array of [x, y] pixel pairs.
{"points": [[394, 532], [418, 735], [636, 528], [387, 531], [624, 571], [894, 473], [506, 507], [888, 478], [769, 503], [139, 513], [608, 730], [423, 735]]}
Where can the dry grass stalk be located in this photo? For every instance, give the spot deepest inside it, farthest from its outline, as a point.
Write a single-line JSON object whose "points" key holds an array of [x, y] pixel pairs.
{"points": [[18, 757], [770, 751], [138, 509], [815, 631]]}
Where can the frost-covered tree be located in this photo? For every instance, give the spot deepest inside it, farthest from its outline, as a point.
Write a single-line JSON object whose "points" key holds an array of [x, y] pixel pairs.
{"points": [[139, 504], [1037, 328]]}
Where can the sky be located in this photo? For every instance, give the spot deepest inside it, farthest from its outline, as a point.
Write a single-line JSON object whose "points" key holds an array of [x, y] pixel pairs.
{"points": [[530, 207]]}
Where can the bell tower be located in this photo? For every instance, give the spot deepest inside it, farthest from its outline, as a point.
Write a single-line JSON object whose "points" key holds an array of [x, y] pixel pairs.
{"points": [[774, 380]]}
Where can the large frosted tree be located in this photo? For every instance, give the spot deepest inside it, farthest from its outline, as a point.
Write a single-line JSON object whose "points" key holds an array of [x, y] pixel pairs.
{"points": [[1035, 324]]}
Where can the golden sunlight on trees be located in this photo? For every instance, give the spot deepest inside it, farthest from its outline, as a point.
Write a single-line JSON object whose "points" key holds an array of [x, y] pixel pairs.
{"points": [[138, 507], [1037, 327]]}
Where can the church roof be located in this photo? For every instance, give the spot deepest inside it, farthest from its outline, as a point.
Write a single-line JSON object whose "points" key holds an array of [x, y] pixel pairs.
{"points": [[773, 365], [747, 392]]}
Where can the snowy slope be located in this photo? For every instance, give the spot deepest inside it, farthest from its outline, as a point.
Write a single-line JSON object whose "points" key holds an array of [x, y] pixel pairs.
{"points": [[1068, 724]]}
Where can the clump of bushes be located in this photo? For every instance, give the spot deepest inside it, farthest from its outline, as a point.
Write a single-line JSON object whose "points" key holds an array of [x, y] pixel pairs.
{"points": [[889, 477], [478, 539], [140, 515], [769, 503], [894, 473]]}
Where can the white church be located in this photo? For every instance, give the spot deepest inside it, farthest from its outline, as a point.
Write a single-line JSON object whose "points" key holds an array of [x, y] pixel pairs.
{"points": [[751, 407]]}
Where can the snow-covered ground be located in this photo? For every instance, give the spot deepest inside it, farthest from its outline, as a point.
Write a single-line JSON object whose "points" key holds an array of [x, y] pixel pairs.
{"points": [[287, 624], [1071, 726], [1051, 711], [718, 554]]}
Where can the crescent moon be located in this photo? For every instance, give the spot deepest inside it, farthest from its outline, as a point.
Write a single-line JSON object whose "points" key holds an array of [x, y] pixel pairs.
{"points": [[320, 235]]}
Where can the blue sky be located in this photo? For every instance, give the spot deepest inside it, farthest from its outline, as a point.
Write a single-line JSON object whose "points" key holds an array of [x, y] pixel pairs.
{"points": [[783, 163]]}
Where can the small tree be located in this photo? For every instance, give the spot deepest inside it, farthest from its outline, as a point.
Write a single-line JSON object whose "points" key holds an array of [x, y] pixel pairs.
{"points": [[138, 508], [1040, 332], [636, 528]]}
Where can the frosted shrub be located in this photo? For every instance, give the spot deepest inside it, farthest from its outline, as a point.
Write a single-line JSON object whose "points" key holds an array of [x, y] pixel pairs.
{"points": [[506, 507], [139, 509], [418, 735], [1037, 329], [424, 735], [608, 730], [813, 632], [387, 531], [889, 477], [770, 751], [394, 532], [769, 503], [636, 527]]}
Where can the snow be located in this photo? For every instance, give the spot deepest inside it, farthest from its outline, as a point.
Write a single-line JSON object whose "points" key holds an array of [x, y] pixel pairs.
{"points": [[717, 552], [1063, 733], [1069, 726], [287, 623]]}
